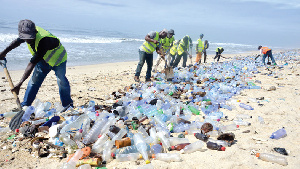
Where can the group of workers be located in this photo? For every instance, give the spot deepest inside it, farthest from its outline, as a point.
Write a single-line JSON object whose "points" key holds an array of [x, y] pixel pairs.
{"points": [[49, 54]]}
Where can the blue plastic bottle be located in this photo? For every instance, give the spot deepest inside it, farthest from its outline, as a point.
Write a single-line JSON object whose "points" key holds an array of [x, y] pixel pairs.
{"points": [[278, 134], [27, 114], [247, 107]]}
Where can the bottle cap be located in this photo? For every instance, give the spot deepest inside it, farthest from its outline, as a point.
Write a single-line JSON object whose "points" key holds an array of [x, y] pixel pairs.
{"points": [[272, 137], [99, 136], [80, 130], [181, 151], [97, 114], [140, 156], [223, 148], [257, 155], [17, 130], [112, 155], [148, 162], [172, 147], [153, 155], [250, 116], [1, 115], [237, 126]]}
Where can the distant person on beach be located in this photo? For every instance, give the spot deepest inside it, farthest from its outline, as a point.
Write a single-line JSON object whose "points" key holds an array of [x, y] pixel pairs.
{"points": [[152, 43], [199, 49], [205, 46], [267, 52], [166, 45], [219, 51], [48, 54], [182, 51]]}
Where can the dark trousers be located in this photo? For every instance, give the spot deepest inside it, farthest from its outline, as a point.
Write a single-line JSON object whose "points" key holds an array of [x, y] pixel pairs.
{"points": [[149, 59]]}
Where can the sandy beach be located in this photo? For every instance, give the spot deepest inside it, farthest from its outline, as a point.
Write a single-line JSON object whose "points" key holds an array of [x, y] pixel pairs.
{"points": [[279, 108]]}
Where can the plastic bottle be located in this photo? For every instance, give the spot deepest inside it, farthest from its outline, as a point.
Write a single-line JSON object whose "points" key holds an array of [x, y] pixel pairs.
{"points": [[99, 144], [195, 146], [92, 136], [8, 114], [27, 113], [168, 157], [247, 107], [141, 146], [106, 157], [278, 134], [181, 128], [230, 127], [111, 120], [243, 116], [39, 121], [215, 146], [175, 140], [260, 120], [85, 166], [4, 130], [65, 138], [194, 110], [119, 135], [178, 147], [220, 142], [128, 157], [82, 122], [272, 158], [156, 148], [241, 122], [50, 113], [72, 162], [78, 135], [163, 139], [201, 136]]}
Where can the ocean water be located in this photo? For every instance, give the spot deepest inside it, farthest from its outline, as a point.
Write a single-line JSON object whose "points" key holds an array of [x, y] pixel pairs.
{"points": [[86, 47]]}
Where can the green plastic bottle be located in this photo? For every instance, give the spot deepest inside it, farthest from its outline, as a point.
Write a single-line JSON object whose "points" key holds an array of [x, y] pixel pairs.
{"points": [[194, 110]]}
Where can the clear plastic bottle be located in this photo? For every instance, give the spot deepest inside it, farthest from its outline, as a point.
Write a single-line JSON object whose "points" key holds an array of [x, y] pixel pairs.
{"points": [[78, 135], [195, 146], [278, 134], [168, 157], [230, 127], [165, 141], [119, 135], [128, 157], [175, 140], [181, 128], [85, 166], [107, 151], [272, 158], [82, 121], [156, 148], [220, 142], [65, 138], [241, 122], [4, 130], [8, 114], [50, 113], [243, 116], [92, 135], [27, 113], [141, 146], [98, 146], [260, 120]]}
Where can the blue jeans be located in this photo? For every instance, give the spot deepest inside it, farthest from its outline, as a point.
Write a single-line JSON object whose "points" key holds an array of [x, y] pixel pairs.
{"points": [[40, 72], [269, 53], [178, 58], [149, 59]]}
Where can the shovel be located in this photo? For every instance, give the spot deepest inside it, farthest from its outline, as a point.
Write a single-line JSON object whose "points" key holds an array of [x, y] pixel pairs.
{"points": [[17, 119], [168, 71]]}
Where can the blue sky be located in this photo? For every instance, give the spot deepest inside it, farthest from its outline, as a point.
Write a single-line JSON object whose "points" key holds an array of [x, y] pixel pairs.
{"points": [[266, 22]]}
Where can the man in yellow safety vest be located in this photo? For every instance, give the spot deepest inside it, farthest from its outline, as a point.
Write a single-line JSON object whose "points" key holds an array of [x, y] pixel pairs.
{"points": [[152, 43], [48, 54]]}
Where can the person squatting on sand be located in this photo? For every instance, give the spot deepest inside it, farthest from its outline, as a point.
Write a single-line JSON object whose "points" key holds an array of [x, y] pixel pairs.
{"points": [[166, 45], [219, 51], [267, 52], [182, 50], [48, 54], [152, 42]]}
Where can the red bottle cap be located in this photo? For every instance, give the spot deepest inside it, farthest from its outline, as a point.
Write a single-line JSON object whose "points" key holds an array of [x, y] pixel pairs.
{"points": [[153, 155], [17, 130], [99, 136], [97, 114], [172, 147], [223, 148], [113, 155], [237, 126], [160, 143], [80, 130]]}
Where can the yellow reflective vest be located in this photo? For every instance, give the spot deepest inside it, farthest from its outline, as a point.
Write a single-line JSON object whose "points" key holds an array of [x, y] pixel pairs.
{"points": [[182, 47], [173, 49], [199, 47], [219, 49], [166, 42], [53, 57], [149, 47]]}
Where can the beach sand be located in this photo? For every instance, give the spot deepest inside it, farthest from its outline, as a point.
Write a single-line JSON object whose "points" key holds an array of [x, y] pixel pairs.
{"points": [[280, 108]]}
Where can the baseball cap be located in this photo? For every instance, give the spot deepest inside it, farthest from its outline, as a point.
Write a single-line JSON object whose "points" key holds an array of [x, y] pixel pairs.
{"points": [[26, 29], [171, 31]]}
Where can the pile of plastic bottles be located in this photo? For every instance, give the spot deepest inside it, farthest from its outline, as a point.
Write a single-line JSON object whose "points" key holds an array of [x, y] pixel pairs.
{"points": [[142, 122]]}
